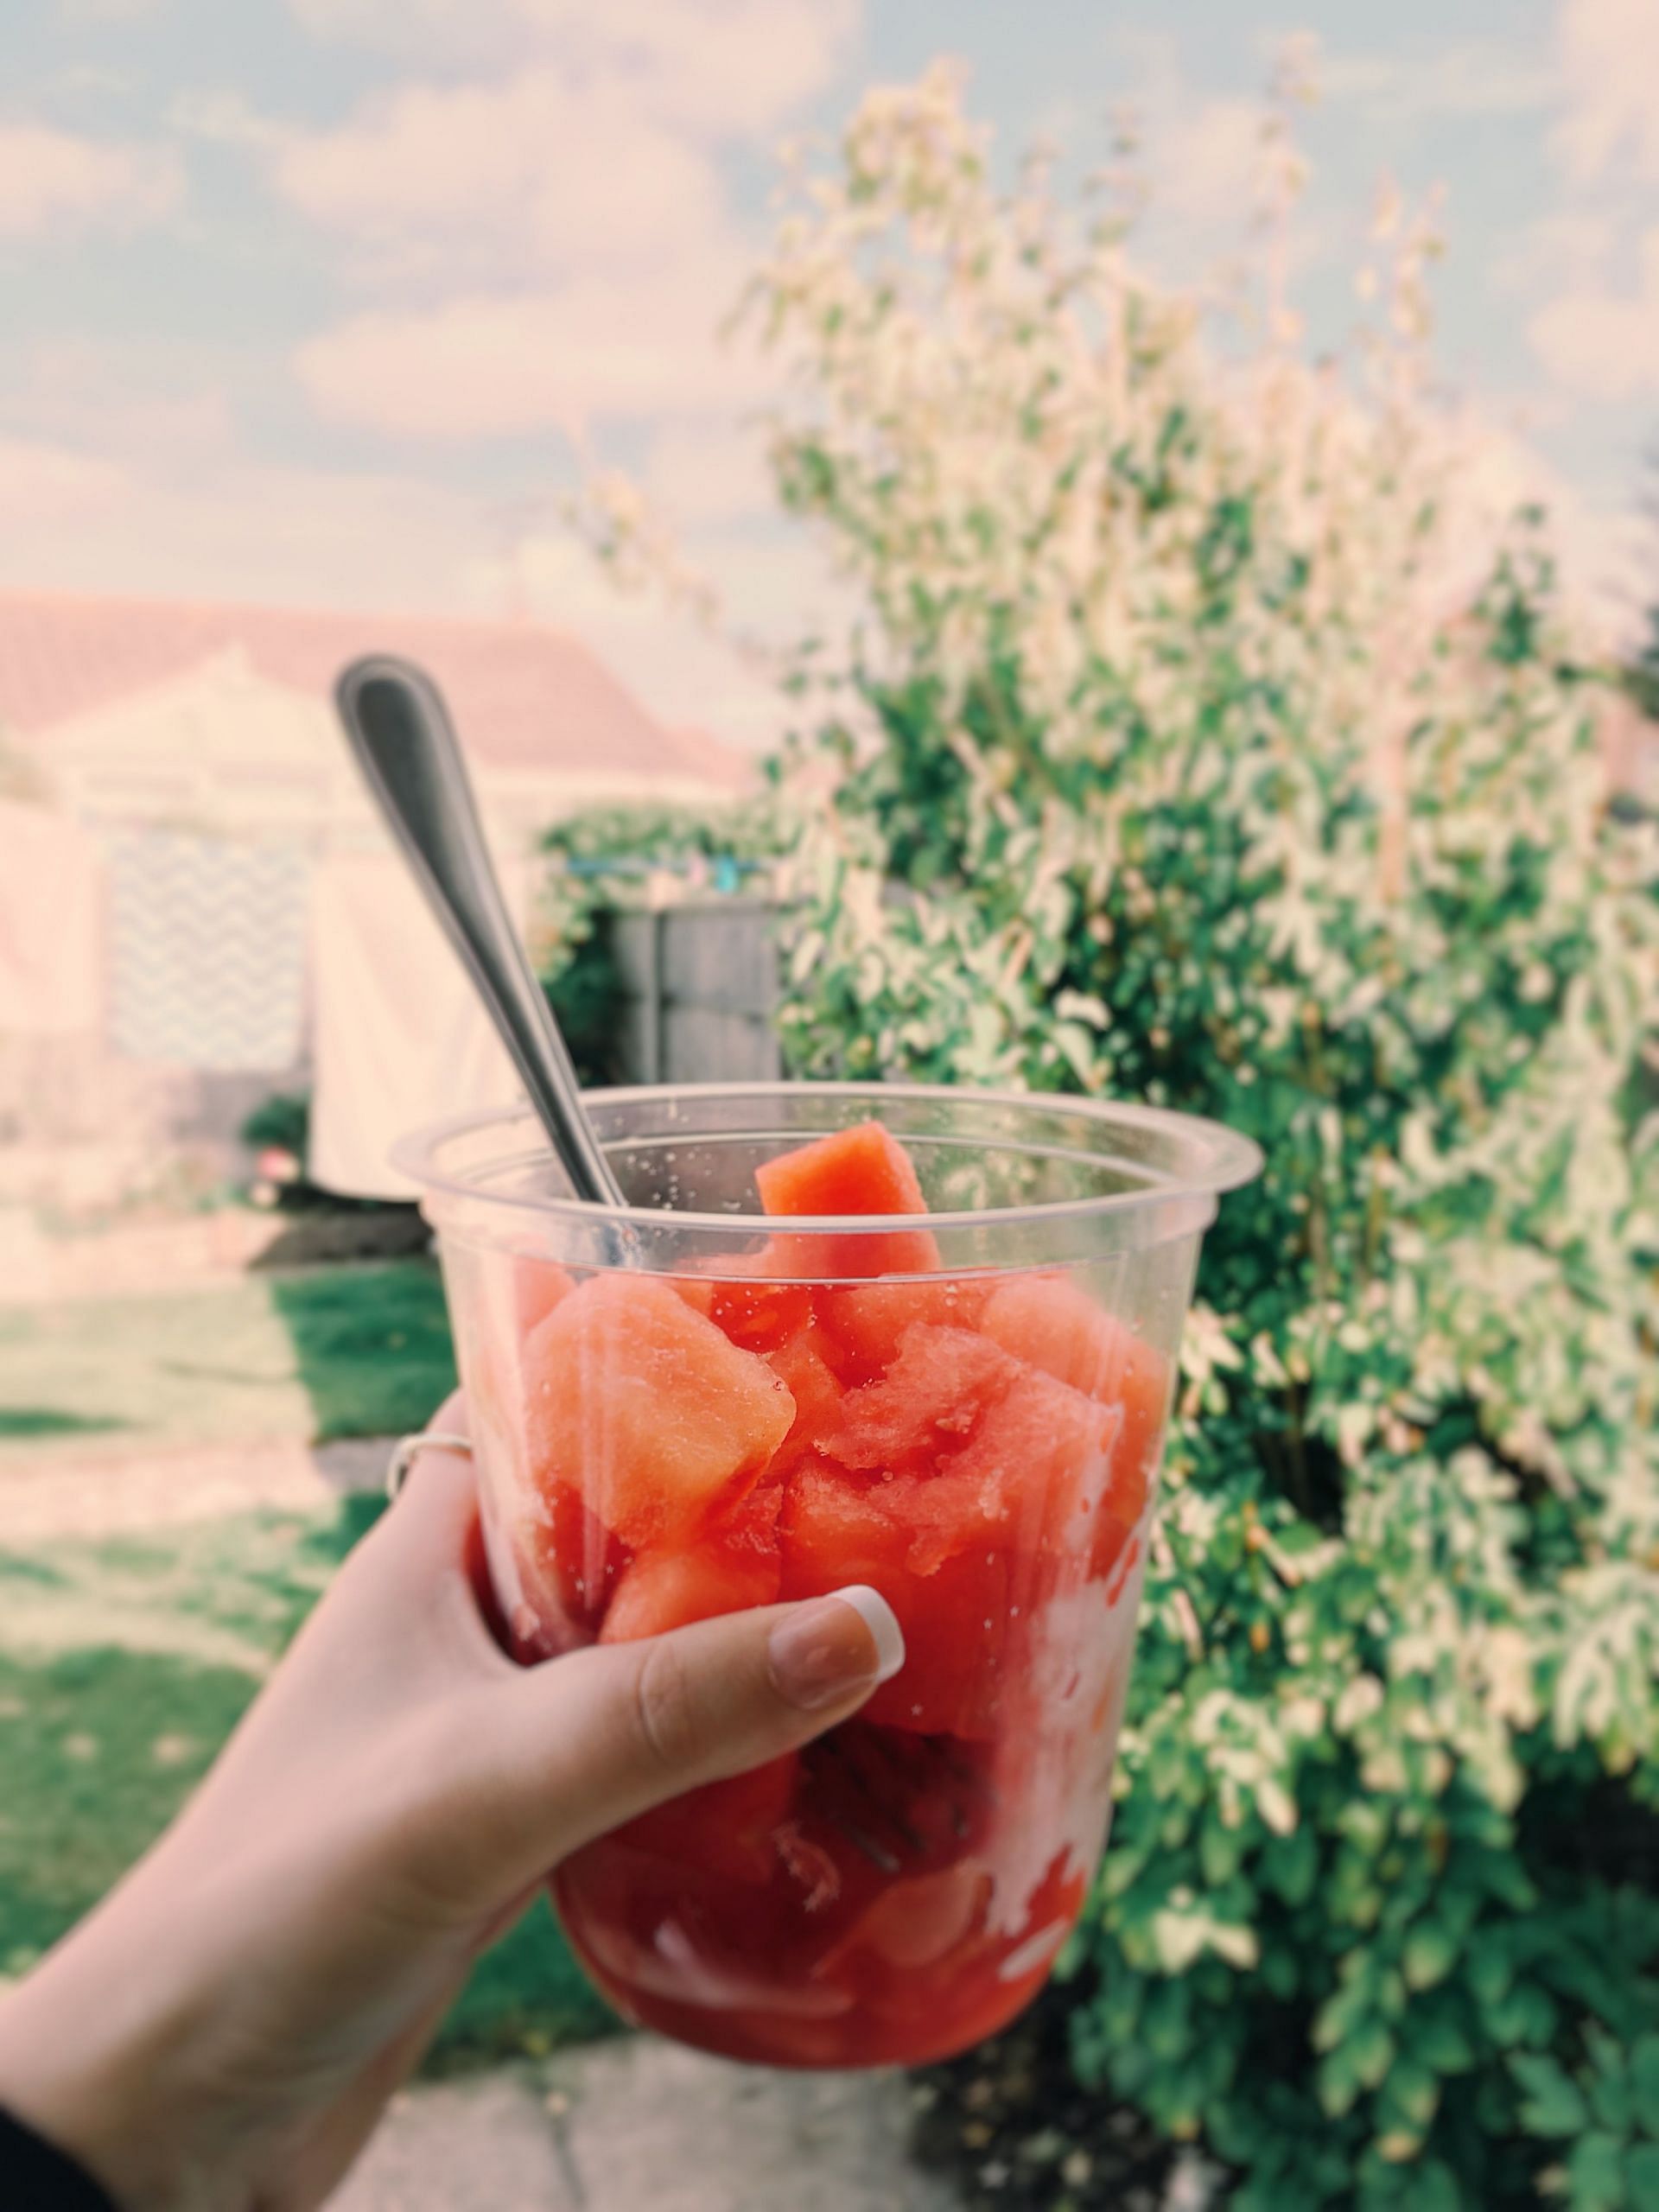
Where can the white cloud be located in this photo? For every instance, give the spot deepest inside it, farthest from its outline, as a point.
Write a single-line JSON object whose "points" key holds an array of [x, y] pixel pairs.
{"points": [[1204, 160], [51, 483], [502, 364], [1602, 341], [1463, 77], [683, 675], [718, 65], [242, 531], [108, 11], [1610, 69], [1570, 251], [702, 472], [155, 397], [502, 178], [52, 180], [1599, 547], [771, 583], [224, 117], [591, 137]]}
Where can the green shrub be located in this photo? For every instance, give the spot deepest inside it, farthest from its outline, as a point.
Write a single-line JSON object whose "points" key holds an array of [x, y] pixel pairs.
{"points": [[1207, 775]]}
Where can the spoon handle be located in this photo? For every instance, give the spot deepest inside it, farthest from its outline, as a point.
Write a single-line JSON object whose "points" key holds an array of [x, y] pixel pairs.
{"points": [[401, 733]]}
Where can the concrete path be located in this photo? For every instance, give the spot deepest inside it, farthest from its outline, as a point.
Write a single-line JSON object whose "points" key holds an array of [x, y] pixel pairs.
{"points": [[642, 2125], [127, 1492]]}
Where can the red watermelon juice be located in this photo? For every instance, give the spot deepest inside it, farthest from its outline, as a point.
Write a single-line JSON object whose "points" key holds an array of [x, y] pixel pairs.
{"points": [[939, 1363]]}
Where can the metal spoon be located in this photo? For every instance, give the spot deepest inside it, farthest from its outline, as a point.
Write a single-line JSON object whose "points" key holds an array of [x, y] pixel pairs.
{"points": [[400, 730]]}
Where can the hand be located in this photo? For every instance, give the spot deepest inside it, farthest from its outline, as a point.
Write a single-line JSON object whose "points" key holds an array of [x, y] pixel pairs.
{"points": [[223, 2033]]}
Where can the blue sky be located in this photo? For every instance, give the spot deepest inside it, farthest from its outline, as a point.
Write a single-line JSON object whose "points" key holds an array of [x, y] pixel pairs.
{"points": [[311, 300]]}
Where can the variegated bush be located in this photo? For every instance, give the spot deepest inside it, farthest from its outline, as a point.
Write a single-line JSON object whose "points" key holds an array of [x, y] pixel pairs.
{"points": [[1198, 739]]}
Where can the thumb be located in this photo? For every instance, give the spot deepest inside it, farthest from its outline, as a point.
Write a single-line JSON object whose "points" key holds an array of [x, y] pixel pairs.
{"points": [[586, 1742]]}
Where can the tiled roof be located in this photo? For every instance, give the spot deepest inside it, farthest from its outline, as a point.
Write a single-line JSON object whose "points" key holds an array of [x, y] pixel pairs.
{"points": [[525, 697]]}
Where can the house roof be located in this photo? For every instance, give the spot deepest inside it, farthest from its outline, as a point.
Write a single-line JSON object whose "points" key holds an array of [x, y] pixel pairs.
{"points": [[526, 699]]}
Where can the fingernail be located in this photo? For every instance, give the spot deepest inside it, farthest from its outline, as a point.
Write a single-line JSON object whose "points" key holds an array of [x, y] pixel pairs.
{"points": [[830, 1646]]}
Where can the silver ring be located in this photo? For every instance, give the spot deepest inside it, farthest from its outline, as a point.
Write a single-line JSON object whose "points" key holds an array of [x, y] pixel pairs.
{"points": [[408, 1449]]}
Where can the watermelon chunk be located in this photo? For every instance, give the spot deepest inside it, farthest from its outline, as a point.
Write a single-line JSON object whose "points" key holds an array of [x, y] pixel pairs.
{"points": [[929, 1400], [666, 1590], [538, 1286], [812, 1384], [862, 1170], [731, 1564], [1043, 1454], [1048, 1322], [864, 1321], [728, 1828], [645, 1408], [955, 1618], [752, 1309], [571, 1565]]}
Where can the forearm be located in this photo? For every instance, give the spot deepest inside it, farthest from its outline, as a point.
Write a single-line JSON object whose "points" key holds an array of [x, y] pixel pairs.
{"points": [[95, 2056]]}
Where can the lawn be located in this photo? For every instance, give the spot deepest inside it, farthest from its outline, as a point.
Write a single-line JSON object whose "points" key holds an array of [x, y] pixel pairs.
{"points": [[125, 1663], [340, 1351], [123, 1666]]}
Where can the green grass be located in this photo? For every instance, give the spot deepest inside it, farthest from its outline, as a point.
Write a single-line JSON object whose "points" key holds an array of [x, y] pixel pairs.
{"points": [[32, 1422], [123, 1666], [342, 1351]]}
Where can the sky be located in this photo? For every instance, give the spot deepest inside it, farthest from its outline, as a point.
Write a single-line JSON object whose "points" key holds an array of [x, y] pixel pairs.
{"points": [[319, 301]]}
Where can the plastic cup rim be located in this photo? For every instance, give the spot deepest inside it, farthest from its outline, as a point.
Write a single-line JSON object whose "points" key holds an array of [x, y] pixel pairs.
{"points": [[1234, 1159]]}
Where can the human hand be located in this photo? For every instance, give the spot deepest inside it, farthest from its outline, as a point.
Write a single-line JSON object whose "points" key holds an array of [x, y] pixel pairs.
{"points": [[224, 2032]]}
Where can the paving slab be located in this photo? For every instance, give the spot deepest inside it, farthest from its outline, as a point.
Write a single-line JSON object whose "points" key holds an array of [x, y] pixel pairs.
{"points": [[113, 1493], [642, 2125]]}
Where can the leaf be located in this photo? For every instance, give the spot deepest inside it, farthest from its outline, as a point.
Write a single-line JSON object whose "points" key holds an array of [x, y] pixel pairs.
{"points": [[1337, 2084], [1430, 1956], [1371, 2053], [1415, 2092], [1435, 2190], [1219, 1850], [1524, 2016], [1292, 1865], [1435, 2040], [1595, 2173], [1644, 2084], [1610, 2090], [1552, 2104], [1642, 2177], [1490, 1969]]}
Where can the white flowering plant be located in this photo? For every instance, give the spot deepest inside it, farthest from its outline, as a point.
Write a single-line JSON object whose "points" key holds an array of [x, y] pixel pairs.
{"points": [[1199, 739]]}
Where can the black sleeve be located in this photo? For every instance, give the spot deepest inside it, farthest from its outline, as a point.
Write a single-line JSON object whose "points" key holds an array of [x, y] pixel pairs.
{"points": [[34, 2176]]}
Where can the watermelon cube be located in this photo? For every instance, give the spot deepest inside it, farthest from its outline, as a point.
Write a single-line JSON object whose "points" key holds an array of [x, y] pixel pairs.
{"points": [[857, 1171], [644, 1407], [955, 1617], [755, 1309], [665, 1590], [812, 1384], [538, 1286], [929, 1401], [864, 1321], [1043, 1454], [1048, 1322]]}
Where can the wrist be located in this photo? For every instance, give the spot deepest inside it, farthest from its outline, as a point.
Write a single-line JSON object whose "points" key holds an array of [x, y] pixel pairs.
{"points": [[90, 2049]]}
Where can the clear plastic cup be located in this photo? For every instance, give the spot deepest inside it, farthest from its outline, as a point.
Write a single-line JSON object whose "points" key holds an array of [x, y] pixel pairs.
{"points": [[695, 1407]]}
